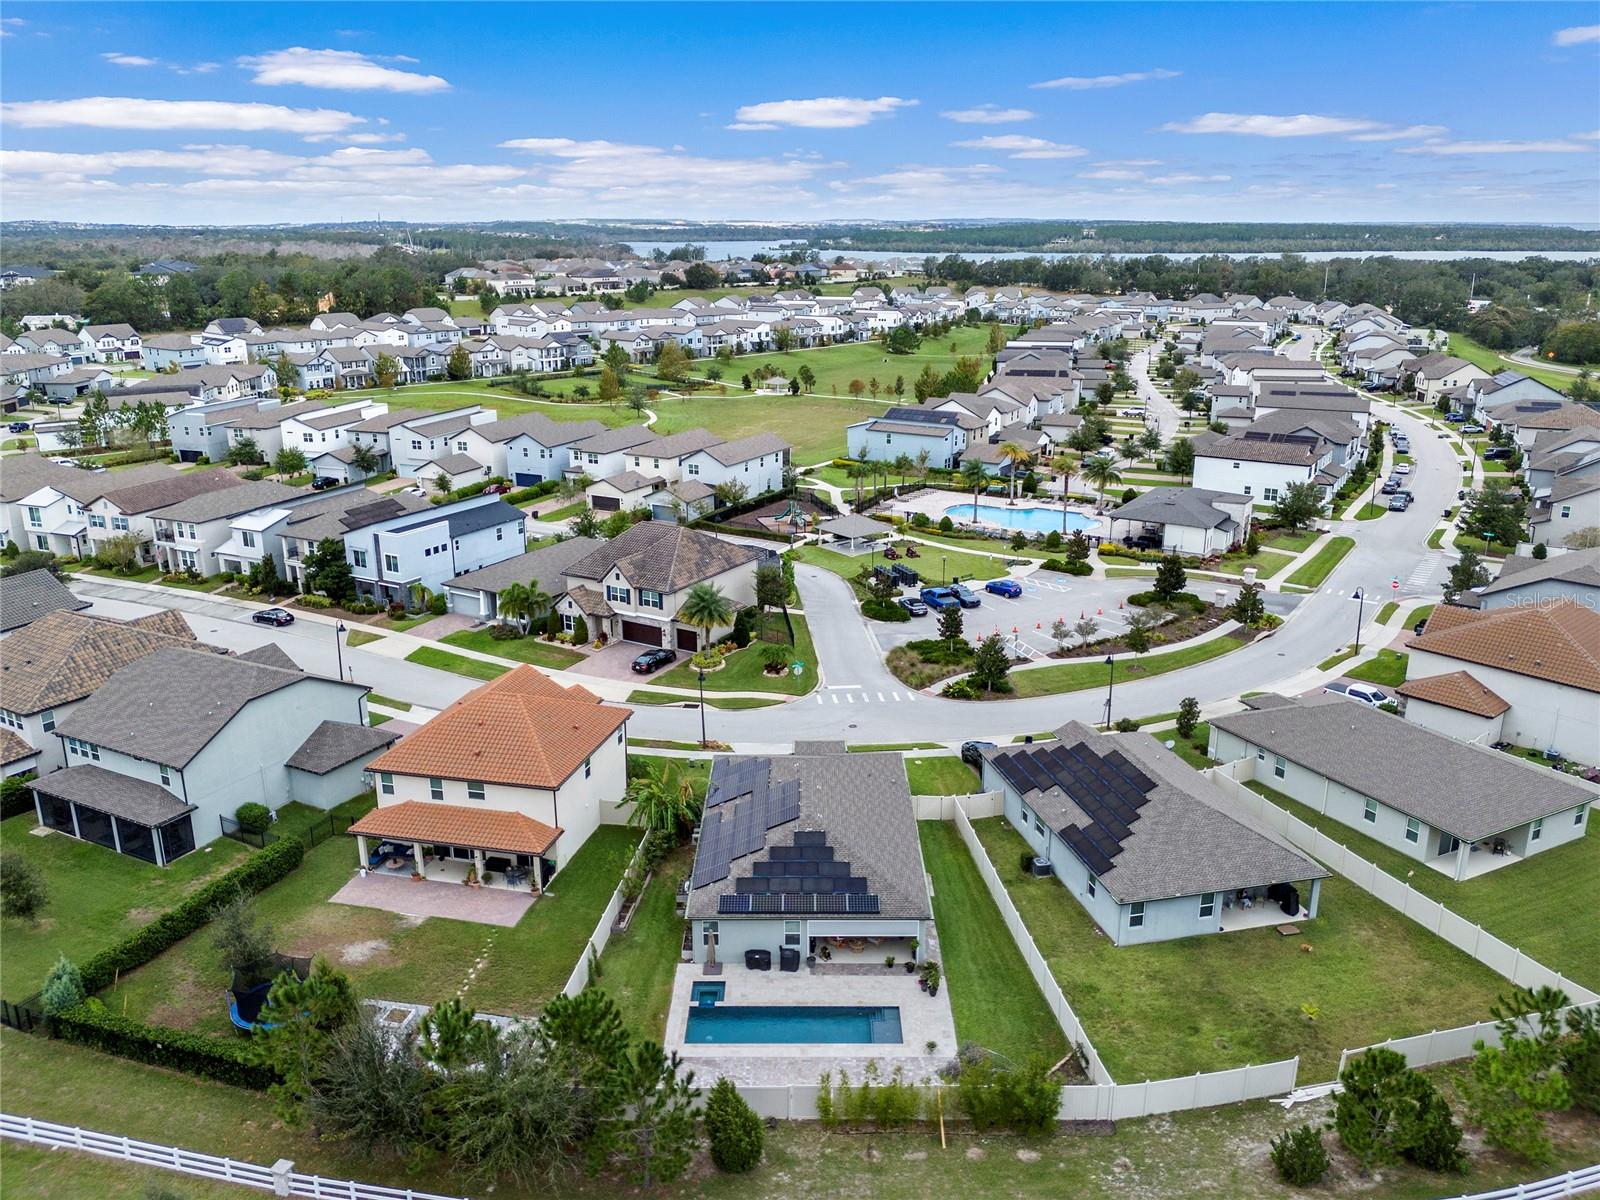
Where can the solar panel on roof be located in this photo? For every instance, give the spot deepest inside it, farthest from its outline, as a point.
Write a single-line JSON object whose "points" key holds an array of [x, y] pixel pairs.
{"points": [[733, 904], [810, 837]]}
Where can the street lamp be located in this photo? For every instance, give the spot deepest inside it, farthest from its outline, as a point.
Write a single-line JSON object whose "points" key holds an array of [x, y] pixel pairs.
{"points": [[1111, 679], [701, 675], [338, 646], [1361, 604], [941, 570]]}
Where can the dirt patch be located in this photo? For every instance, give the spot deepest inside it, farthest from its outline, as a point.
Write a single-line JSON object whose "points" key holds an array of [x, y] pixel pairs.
{"points": [[360, 952], [143, 916], [1028, 1156], [976, 1154]]}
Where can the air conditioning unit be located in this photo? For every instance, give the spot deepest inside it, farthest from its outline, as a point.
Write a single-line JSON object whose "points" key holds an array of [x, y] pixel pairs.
{"points": [[1041, 867]]}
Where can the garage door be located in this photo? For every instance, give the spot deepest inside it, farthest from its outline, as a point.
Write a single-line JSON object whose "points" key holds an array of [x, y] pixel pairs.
{"points": [[526, 479], [688, 640], [183, 455], [605, 503], [638, 631]]}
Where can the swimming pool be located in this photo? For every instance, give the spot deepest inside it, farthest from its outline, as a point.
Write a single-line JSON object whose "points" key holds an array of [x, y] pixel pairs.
{"points": [[751, 1023], [1034, 520]]}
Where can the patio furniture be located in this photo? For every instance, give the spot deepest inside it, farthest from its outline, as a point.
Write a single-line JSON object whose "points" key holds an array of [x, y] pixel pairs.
{"points": [[516, 876], [758, 960], [788, 959]]}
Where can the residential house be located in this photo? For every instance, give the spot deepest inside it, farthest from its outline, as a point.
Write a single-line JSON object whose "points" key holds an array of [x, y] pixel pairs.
{"points": [[201, 430], [110, 343], [1525, 582], [26, 597], [1527, 420], [1188, 520], [291, 538], [1573, 504], [911, 432], [1457, 807], [604, 454], [511, 780], [1436, 374], [1152, 849], [191, 534], [1263, 466], [415, 443], [538, 453], [393, 556], [42, 503], [477, 593], [173, 350], [756, 463], [129, 511]]}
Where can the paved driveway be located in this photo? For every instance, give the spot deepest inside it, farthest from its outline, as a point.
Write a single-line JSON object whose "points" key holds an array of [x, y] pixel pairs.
{"points": [[616, 662]]}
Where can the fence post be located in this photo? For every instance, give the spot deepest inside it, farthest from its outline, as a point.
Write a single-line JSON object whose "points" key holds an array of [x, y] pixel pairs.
{"points": [[281, 1171]]}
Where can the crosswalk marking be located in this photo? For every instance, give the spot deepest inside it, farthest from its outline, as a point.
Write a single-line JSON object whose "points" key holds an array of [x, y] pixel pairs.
{"points": [[866, 697]]}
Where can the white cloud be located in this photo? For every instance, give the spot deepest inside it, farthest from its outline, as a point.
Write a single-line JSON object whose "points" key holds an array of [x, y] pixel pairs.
{"points": [[1085, 83], [1577, 35], [1018, 145], [988, 114], [126, 112], [340, 70], [824, 112], [356, 139], [1544, 146], [129, 60], [1297, 125], [1128, 172], [608, 166]]}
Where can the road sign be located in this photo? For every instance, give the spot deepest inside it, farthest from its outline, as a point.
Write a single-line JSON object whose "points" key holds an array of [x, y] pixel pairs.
{"points": [[795, 668]]}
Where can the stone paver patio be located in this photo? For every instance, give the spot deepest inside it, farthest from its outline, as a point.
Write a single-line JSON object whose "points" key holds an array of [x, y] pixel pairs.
{"points": [[409, 898]]}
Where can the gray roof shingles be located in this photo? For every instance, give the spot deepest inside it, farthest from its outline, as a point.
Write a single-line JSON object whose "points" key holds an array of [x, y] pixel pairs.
{"points": [[335, 743], [27, 597], [136, 800]]}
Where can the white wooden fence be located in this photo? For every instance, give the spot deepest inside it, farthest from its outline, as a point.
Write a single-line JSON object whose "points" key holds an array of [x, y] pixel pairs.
{"points": [[579, 979], [281, 1179], [1499, 956]]}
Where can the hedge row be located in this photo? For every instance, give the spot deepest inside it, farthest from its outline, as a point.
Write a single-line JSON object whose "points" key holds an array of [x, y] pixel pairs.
{"points": [[258, 872], [227, 1060], [16, 797], [1066, 566]]}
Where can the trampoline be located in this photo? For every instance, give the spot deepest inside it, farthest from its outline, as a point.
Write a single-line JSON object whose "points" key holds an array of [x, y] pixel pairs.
{"points": [[247, 995]]}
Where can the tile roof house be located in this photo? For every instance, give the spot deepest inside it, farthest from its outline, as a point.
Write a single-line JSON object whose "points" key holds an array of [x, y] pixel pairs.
{"points": [[1543, 659], [26, 597], [165, 751], [1460, 808], [521, 769], [1152, 849]]}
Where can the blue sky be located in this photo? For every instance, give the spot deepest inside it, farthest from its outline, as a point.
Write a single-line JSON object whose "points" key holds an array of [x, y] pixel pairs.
{"points": [[228, 113]]}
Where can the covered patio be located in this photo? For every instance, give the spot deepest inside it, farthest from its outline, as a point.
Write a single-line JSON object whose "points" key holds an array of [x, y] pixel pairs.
{"points": [[453, 844], [1254, 908], [129, 816]]}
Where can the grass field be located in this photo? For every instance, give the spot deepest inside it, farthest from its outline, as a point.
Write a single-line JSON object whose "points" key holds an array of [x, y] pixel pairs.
{"points": [[638, 964], [743, 670], [443, 660], [1491, 361], [523, 649], [836, 366], [644, 696], [935, 564], [1266, 562], [1387, 670], [360, 637], [980, 959], [1371, 512], [1075, 677], [1371, 975], [942, 775], [1528, 904], [1311, 574]]}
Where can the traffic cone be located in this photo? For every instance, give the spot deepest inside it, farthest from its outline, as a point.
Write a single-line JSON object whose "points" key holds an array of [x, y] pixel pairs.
{"points": [[1099, 612], [1119, 605]]}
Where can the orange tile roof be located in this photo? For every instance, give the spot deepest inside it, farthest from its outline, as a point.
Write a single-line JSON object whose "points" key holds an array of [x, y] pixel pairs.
{"points": [[1457, 690], [522, 729], [1558, 642], [456, 825]]}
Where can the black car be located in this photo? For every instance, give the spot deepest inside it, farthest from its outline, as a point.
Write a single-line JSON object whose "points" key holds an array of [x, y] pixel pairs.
{"points": [[323, 482], [972, 753], [653, 660], [1420, 626], [1494, 453], [914, 606], [273, 616]]}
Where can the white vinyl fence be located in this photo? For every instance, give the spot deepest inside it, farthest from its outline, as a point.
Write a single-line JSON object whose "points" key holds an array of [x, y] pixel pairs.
{"points": [[281, 1179], [1447, 1045], [943, 808], [1500, 957], [1573, 1183], [579, 979]]}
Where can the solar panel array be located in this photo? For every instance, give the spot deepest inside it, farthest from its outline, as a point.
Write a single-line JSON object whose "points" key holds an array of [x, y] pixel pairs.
{"points": [[812, 903], [1109, 789], [742, 804]]}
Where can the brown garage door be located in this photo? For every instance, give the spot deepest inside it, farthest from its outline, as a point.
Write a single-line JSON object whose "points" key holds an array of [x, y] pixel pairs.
{"points": [[688, 640], [605, 503], [638, 631]]}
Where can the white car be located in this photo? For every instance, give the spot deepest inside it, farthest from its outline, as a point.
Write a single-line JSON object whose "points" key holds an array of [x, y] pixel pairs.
{"points": [[1402, 468], [1364, 693]]}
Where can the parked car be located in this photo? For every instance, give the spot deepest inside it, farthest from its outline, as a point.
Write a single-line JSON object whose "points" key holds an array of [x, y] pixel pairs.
{"points": [[965, 596], [940, 598], [1390, 486], [497, 489], [1474, 428], [19, 427], [323, 482], [972, 752], [1455, 418], [914, 606], [1362, 692], [278, 617], [1398, 503], [1004, 587], [654, 660], [1402, 468], [903, 575], [1495, 453]]}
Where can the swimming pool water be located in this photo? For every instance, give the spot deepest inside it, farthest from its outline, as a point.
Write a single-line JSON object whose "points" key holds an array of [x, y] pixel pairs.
{"points": [[751, 1023], [1034, 520]]}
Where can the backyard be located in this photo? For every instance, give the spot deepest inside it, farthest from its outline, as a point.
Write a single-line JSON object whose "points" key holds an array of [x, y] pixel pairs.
{"points": [[940, 775], [1252, 996]]}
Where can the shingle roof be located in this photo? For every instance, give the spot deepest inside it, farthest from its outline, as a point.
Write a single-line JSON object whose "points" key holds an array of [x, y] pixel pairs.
{"points": [[1467, 790], [1457, 690], [1559, 641], [631, 481], [664, 557], [228, 501], [1303, 453], [621, 438], [13, 749], [522, 730], [853, 525], [136, 800], [675, 445], [335, 743], [1191, 507], [458, 825], [457, 464], [161, 493], [745, 448], [1577, 566], [270, 416], [64, 656], [27, 597], [546, 565]]}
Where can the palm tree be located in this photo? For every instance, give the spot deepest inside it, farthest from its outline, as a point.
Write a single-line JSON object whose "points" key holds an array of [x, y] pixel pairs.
{"points": [[365, 459], [661, 802], [513, 603], [858, 472], [706, 609], [1018, 458], [538, 601], [1062, 464], [975, 477], [903, 467], [1100, 470]]}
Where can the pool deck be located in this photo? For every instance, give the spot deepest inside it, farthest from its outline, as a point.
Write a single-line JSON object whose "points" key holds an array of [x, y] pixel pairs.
{"points": [[934, 503], [922, 1019]]}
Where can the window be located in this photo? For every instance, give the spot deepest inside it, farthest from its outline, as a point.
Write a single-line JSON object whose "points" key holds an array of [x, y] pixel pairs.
{"points": [[416, 443], [708, 933], [791, 933], [246, 538], [1566, 511], [1269, 494], [1536, 829], [499, 533], [166, 776], [588, 767], [1208, 905], [83, 749], [619, 736], [1413, 830], [1261, 756], [694, 468], [41, 542], [1577, 817], [1136, 915], [650, 599], [568, 622], [358, 558], [1235, 466], [97, 520], [1279, 766], [1369, 814], [1094, 886], [7, 717], [391, 562], [462, 447], [385, 783], [436, 790], [35, 517], [47, 722], [618, 595], [306, 438], [474, 789]]}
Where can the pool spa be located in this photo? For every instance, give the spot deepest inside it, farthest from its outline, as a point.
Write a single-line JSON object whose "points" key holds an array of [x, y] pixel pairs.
{"points": [[792, 1025], [1030, 520]]}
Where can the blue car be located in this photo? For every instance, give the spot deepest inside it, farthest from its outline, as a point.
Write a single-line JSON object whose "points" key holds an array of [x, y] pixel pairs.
{"points": [[1004, 587], [939, 599], [965, 596]]}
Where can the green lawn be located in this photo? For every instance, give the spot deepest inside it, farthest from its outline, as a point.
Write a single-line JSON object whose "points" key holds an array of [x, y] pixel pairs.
{"points": [[743, 670], [1387, 611], [993, 997], [1371, 512], [523, 649], [1530, 904], [1210, 1002], [564, 513], [1423, 613], [637, 966], [360, 637], [443, 660], [1292, 543], [96, 897], [1130, 572], [1266, 562], [1465, 541], [389, 702], [1436, 539], [1093, 673], [393, 957], [933, 563], [836, 366], [1333, 660], [999, 547], [1464, 347], [813, 425], [1388, 669], [1312, 573], [378, 718], [643, 696], [944, 775]]}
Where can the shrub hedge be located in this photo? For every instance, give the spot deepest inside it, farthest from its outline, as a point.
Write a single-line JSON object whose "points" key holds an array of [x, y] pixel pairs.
{"points": [[16, 797], [1066, 566], [1178, 600], [884, 610], [261, 870], [227, 1060]]}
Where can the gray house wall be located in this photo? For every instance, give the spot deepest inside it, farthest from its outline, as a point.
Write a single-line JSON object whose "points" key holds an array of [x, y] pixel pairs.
{"points": [[738, 934], [334, 788]]}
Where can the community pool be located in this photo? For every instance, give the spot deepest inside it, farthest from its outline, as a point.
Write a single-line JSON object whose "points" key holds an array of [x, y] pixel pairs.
{"points": [[752, 1024], [1034, 520]]}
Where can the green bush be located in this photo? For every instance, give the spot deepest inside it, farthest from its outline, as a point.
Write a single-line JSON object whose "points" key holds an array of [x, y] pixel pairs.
{"points": [[961, 689], [363, 608], [733, 1128], [1127, 725], [744, 626], [22, 887], [884, 610], [253, 817], [438, 606], [1180, 600], [311, 600], [1066, 566], [946, 524], [505, 633], [1300, 1156], [63, 987], [16, 797], [193, 912], [222, 1059], [944, 653], [580, 630]]}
